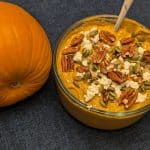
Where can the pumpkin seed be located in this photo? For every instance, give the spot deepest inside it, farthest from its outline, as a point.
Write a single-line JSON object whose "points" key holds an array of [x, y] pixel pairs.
{"points": [[95, 67], [86, 52], [138, 44], [147, 83], [78, 78], [117, 49], [101, 88], [112, 94], [76, 84], [87, 76], [135, 58], [93, 33], [104, 104], [141, 38], [134, 34], [123, 88]]}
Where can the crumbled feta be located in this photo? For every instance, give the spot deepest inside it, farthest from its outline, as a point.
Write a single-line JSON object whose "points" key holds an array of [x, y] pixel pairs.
{"points": [[146, 76], [125, 71], [77, 57], [117, 89], [141, 98], [93, 29], [106, 46], [114, 61], [96, 38], [89, 106], [121, 59], [108, 57], [132, 84], [111, 66], [126, 67], [85, 62], [86, 33], [80, 74], [87, 44], [118, 44], [104, 81], [141, 51], [91, 92]]}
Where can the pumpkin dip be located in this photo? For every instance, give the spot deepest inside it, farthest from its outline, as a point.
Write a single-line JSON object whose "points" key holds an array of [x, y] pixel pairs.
{"points": [[105, 69]]}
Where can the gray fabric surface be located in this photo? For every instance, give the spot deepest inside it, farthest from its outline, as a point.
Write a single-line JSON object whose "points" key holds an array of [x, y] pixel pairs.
{"points": [[40, 122]]}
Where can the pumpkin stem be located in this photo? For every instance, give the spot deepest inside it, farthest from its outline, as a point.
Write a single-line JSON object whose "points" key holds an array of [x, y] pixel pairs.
{"points": [[15, 84]]}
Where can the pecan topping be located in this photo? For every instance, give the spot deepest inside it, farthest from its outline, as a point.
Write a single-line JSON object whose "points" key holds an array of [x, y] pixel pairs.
{"points": [[82, 69], [99, 56], [128, 97], [146, 56], [77, 40], [126, 41], [117, 76], [107, 37], [128, 50], [104, 63], [67, 63], [70, 50]]}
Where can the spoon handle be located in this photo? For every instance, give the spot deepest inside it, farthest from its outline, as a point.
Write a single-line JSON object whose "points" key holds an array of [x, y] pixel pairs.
{"points": [[125, 7]]}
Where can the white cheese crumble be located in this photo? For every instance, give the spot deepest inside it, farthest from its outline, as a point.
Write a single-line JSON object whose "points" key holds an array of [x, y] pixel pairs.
{"points": [[127, 65], [141, 51], [118, 44], [106, 46], [114, 61], [80, 74], [104, 81], [85, 62], [141, 98], [117, 89], [146, 76], [93, 29], [87, 44], [89, 106], [121, 59], [77, 57], [132, 84], [96, 38], [91, 92]]}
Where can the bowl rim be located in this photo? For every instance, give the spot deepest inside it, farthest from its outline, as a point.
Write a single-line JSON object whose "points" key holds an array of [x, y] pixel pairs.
{"points": [[73, 98]]}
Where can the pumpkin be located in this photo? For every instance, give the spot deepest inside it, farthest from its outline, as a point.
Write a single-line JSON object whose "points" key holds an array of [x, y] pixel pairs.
{"points": [[25, 54]]}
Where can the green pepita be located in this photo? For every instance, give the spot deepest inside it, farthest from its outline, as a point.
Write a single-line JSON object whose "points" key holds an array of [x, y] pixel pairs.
{"points": [[93, 33]]}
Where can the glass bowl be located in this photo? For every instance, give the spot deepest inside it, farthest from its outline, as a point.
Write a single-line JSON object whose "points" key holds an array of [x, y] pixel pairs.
{"points": [[90, 116]]}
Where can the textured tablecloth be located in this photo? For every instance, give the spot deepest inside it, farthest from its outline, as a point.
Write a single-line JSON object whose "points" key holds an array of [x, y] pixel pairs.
{"points": [[40, 122]]}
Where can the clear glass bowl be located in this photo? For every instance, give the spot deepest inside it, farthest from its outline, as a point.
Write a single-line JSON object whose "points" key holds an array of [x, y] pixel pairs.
{"points": [[94, 117]]}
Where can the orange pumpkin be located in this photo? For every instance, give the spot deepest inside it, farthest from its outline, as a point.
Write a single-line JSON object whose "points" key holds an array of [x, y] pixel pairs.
{"points": [[25, 54]]}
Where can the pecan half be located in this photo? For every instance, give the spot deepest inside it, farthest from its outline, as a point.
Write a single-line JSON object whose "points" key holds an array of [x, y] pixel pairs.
{"points": [[107, 37], [67, 63], [128, 50], [146, 56], [126, 41], [77, 40], [128, 97], [99, 56], [117, 76], [82, 69], [70, 50], [104, 63]]}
